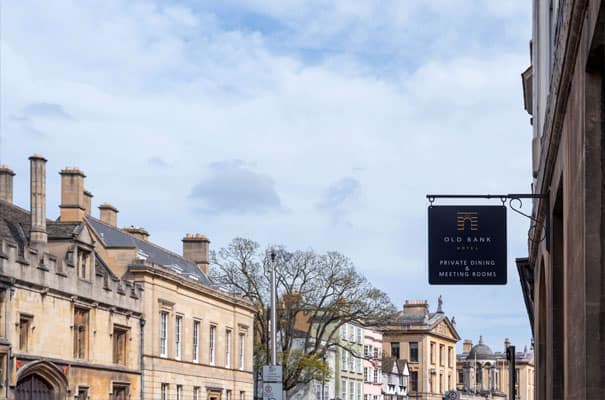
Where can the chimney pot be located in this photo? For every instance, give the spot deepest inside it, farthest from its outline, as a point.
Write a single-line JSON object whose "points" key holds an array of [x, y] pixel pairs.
{"points": [[6, 183], [108, 214], [38, 235], [137, 231], [195, 249], [467, 346]]}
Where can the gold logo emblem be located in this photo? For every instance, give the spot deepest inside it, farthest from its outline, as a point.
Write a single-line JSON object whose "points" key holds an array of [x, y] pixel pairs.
{"points": [[472, 217]]}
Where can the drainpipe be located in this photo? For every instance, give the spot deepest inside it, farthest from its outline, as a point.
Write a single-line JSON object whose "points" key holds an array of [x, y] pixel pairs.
{"points": [[141, 364]]}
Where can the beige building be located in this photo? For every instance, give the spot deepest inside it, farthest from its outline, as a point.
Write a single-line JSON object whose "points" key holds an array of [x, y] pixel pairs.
{"points": [[427, 340], [71, 328], [562, 277], [95, 312], [483, 373]]}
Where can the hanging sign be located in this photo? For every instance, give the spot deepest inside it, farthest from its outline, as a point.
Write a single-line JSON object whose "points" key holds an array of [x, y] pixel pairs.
{"points": [[467, 245]]}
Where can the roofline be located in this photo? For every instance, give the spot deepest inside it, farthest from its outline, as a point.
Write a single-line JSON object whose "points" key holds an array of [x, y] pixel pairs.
{"points": [[158, 270]]}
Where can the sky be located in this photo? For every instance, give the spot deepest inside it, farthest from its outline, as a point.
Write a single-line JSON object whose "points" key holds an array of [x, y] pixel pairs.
{"points": [[313, 124]]}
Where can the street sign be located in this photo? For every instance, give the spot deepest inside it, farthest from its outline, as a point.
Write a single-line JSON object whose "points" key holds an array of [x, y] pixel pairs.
{"points": [[272, 391], [452, 395], [467, 245], [272, 373]]}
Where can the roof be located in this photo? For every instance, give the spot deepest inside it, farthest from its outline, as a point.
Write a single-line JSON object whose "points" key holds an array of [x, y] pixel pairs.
{"points": [[63, 230], [112, 236], [15, 224], [389, 362]]}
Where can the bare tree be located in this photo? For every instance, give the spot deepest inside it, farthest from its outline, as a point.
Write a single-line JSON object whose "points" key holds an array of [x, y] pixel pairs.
{"points": [[317, 294]]}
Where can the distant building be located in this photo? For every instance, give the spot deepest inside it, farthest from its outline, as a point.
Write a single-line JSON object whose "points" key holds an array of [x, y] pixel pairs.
{"points": [[372, 364], [427, 340], [395, 379], [349, 362], [562, 275], [481, 373]]}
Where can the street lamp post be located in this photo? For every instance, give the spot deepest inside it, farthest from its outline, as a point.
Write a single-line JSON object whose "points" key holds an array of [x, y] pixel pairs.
{"points": [[273, 312]]}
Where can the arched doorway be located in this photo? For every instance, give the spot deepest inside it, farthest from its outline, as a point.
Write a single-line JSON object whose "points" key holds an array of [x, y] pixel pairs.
{"points": [[33, 387], [41, 380]]}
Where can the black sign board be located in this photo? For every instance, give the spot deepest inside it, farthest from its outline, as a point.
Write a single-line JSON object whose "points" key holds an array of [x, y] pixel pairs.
{"points": [[467, 245]]}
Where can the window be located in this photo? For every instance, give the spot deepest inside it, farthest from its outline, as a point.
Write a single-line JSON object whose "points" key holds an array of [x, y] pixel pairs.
{"points": [[196, 341], [343, 331], [242, 395], [212, 339], [432, 352], [25, 322], [228, 395], [358, 393], [351, 363], [343, 354], [80, 333], [343, 389], [242, 343], [228, 348], [164, 334], [82, 393], [358, 335], [441, 355], [358, 365], [164, 391], [376, 353], [450, 359], [366, 350], [395, 349], [431, 382], [414, 381], [84, 264], [375, 376], [461, 376], [440, 383], [120, 336], [351, 390], [120, 391], [366, 375], [178, 327], [196, 393], [478, 379], [351, 334], [179, 392], [414, 351]]}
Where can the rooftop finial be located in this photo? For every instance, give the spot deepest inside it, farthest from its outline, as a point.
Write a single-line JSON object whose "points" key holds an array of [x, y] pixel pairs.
{"points": [[481, 339], [440, 304]]}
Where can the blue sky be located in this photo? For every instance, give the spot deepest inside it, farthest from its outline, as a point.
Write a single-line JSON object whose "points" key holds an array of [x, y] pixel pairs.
{"points": [[313, 124]]}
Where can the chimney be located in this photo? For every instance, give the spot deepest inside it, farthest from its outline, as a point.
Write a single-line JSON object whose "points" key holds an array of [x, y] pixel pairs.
{"points": [[38, 237], [87, 202], [467, 346], [73, 204], [195, 249], [506, 344], [109, 214], [416, 307], [138, 232], [6, 184]]}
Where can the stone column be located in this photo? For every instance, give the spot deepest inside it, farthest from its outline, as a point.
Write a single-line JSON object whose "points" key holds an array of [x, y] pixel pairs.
{"points": [[38, 236]]}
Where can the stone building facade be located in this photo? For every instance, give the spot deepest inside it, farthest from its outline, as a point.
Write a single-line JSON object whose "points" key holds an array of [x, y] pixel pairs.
{"points": [[427, 340], [71, 327], [93, 311], [349, 362], [563, 276], [483, 373], [395, 379]]}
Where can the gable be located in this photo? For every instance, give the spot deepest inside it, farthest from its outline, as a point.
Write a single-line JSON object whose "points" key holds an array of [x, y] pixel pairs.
{"points": [[85, 236], [445, 329]]}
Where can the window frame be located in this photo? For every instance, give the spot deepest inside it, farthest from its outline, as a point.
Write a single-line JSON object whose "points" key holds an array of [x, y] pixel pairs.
{"points": [[164, 333], [178, 337], [196, 341], [212, 345]]}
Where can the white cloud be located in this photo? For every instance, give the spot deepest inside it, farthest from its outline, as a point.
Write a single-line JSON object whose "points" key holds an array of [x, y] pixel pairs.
{"points": [[415, 97]]}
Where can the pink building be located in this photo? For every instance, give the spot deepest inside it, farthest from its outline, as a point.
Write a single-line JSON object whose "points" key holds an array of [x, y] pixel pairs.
{"points": [[372, 365]]}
